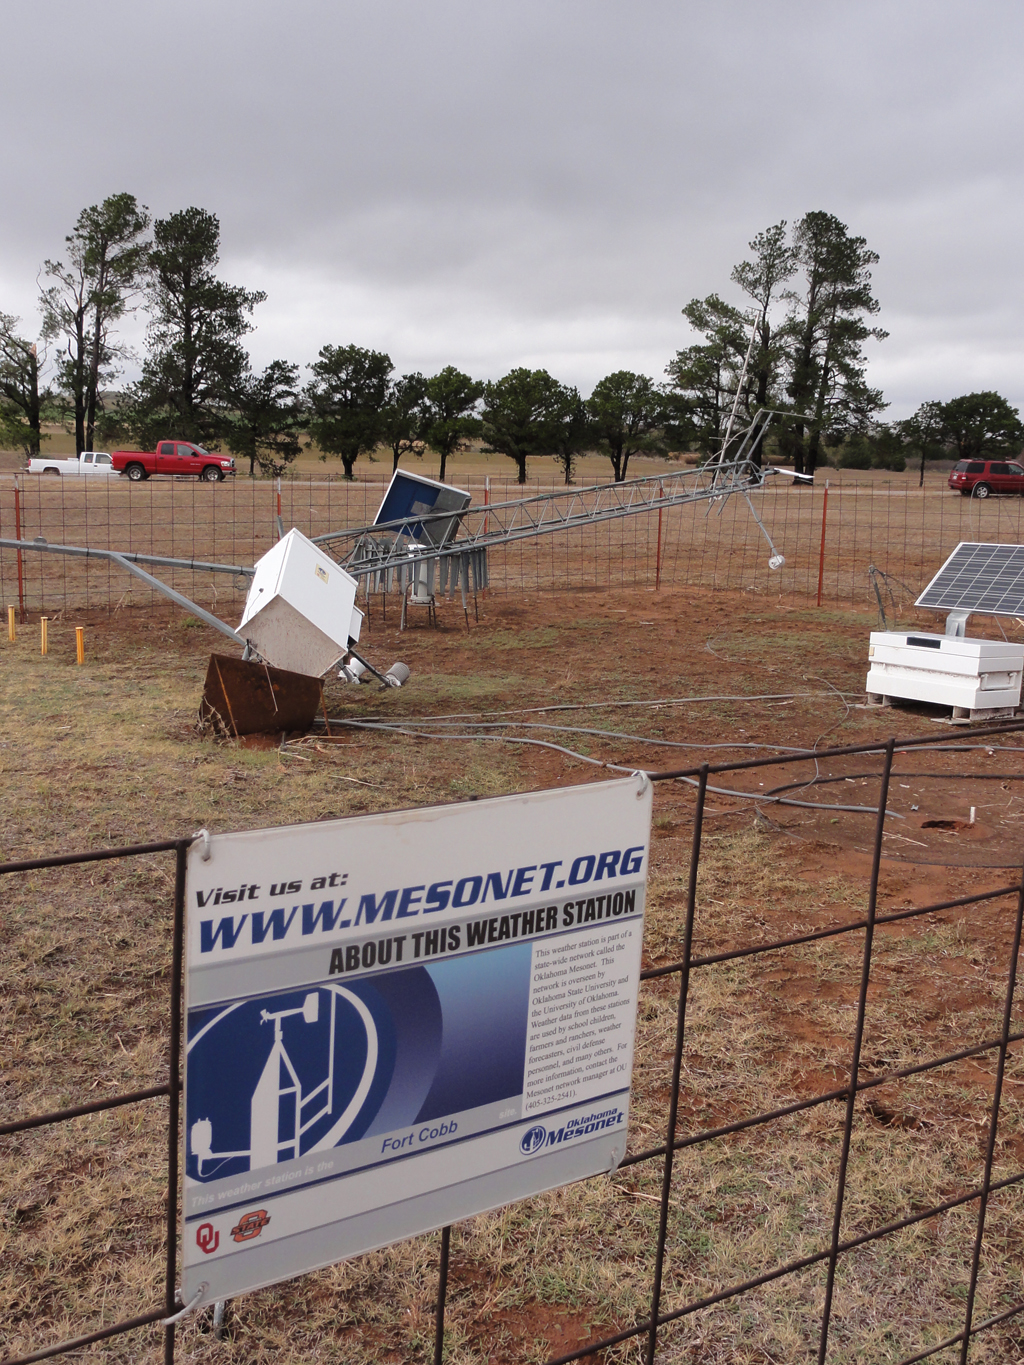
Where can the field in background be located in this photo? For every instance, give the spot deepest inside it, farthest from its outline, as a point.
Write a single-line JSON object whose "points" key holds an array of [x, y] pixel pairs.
{"points": [[107, 753], [470, 463], [474, 465]]}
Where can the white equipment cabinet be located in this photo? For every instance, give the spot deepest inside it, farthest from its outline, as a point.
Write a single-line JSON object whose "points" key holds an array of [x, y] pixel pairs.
{"points": [[969, 675], [300, 612]]}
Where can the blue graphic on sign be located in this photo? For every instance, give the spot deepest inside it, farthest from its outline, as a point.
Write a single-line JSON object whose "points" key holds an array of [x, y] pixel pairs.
{"points": [[533, 1139], [277, 1077]]}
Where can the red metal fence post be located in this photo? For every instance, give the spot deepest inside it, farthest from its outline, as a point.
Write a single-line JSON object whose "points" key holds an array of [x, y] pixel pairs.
{"points": [[487, 500], [657, 561], [821, 557]]}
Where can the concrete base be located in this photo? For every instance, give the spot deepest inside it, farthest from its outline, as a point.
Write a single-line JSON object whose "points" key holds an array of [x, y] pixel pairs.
{"points": [[981, 713]]}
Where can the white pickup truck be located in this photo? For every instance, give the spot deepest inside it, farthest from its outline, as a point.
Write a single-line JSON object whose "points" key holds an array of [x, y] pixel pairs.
{"points": [[89, 462]]}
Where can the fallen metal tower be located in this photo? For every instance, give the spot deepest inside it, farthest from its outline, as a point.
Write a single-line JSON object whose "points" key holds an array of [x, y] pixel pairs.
{"points": [[383, 550], [372, 550]]}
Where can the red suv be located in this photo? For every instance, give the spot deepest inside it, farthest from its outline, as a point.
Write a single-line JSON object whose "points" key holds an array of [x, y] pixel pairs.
{"points": [[981, 478]]}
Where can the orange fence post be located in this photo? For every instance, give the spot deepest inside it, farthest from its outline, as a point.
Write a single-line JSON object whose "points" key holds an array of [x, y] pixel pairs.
{"points": [[12, 633], [821, 557], [43, 643], [80, 644]]}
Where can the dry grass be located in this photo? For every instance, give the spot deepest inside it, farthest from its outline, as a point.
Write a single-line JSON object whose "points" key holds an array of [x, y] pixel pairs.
{"points": [[773, 1029], [107, 754]]}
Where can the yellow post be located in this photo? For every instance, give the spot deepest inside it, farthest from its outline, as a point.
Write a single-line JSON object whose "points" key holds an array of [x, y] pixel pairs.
{"points": [[42, 634], [80, 644], [11, 632]]}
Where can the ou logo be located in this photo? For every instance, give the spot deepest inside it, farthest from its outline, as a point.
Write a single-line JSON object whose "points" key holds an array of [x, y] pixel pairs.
{"points": [[207, 1239], [533, 1139]]}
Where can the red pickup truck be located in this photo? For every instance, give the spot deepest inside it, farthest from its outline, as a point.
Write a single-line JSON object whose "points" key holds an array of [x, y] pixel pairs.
{"points": [[173, 457]]}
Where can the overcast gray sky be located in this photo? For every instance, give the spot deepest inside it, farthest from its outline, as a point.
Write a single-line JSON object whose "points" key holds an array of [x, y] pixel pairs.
{"points": [[534, 183]]}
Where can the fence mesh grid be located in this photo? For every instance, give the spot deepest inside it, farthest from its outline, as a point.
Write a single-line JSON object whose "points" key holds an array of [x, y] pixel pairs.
{"points": [[667, 1306], [903, 531]]}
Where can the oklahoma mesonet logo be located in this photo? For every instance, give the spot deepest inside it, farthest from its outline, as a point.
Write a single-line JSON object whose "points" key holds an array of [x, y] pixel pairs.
{"points": [[250, 1225], [533, 1139]]}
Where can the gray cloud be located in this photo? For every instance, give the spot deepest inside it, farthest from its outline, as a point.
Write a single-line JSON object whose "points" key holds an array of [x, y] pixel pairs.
{"points": [[544, 183]]}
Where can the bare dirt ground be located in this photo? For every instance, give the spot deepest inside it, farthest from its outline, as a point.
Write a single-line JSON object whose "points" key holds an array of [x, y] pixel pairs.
{"points": [[108, 753]]}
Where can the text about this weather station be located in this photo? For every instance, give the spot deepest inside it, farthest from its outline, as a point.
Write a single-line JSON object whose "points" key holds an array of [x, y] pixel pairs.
{"points": [[582, 1001]]}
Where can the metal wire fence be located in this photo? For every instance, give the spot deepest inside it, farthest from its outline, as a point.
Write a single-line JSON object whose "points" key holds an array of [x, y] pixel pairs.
{"points": [[979, 1316], [830, 536]]}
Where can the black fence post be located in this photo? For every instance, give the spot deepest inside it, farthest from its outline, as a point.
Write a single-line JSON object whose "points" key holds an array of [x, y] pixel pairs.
{"points": [[442, 1295], [173, 1102], [858, 1039], [997, 1093], [677, 1065]]}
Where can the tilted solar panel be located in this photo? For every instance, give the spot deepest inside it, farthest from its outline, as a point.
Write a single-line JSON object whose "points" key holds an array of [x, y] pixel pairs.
{"points": [[979, 577]]}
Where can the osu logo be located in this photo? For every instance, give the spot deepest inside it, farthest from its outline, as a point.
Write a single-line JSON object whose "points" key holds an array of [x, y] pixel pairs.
{"points": [[533, 1139], [250, 1225], [207, 1240]]}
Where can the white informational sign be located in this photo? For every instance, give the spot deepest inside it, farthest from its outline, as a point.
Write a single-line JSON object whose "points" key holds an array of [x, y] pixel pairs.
{"points": [[398, 1021]]}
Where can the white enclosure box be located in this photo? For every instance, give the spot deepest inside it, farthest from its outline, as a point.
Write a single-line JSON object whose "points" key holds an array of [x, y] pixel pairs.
{"points": [[949, 670], [300, 612]]}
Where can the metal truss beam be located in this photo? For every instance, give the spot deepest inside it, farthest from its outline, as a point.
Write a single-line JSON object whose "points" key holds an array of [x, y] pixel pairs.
{"points": [[371, 549]]}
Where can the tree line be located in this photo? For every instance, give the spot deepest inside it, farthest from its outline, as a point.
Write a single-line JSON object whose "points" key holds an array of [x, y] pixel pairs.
{"points": [[794, 349], [797, 350]]}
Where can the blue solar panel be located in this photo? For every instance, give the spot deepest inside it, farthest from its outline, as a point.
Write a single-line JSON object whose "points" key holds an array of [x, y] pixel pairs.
{"points": [[979, 577], [412, 496]]}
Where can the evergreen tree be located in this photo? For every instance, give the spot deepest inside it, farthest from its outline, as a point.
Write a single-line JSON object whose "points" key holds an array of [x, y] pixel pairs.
{"points": [[628, 412], [976, 426], [195, 366], [21, 399], [704, 377], [106, 257], [924, 435], [762, 279], [825, 333], [981, 426], [346, 399], [450, 417], [573, 431], [520, 416], [268, 418], [402, 417]]}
